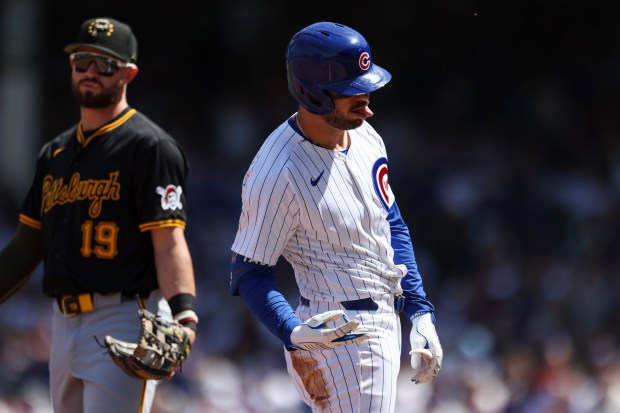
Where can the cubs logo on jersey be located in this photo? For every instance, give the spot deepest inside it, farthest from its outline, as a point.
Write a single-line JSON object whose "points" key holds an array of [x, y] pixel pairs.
{"points": [[381, 183], [170, 197]]}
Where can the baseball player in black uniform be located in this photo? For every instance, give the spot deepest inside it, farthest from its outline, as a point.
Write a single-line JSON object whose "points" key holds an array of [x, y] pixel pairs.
{"points": [[106, 214]]}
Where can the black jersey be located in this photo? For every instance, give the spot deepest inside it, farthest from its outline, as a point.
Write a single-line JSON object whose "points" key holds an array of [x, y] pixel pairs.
{"points": [[95, 197]]}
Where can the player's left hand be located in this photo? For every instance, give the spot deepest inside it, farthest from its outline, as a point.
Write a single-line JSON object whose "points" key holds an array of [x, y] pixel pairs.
{"points": [[426, 352], [162, 347]]}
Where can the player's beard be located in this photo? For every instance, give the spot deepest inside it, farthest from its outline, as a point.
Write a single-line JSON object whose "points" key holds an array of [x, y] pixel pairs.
{"points": [[338, 120], [107, 97]]}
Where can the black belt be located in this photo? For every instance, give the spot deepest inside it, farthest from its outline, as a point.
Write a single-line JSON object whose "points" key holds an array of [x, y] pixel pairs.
{"points": [[74, 304], [363, 304]]}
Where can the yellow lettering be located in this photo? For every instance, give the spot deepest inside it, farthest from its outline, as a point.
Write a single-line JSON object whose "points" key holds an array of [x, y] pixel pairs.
{"points": [[106, 240], [54, 192]]}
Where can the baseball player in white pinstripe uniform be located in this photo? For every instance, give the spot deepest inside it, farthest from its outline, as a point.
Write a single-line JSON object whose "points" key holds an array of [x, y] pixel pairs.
{"points": [[317, 193]]}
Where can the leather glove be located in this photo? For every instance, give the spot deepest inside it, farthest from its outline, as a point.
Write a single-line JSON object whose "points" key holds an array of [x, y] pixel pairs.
{"points": [[161, 349], [426, 352], [312, 335]]}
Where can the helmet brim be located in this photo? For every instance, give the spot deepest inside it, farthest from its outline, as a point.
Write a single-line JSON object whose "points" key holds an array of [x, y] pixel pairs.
{"points": [[370, 81]]}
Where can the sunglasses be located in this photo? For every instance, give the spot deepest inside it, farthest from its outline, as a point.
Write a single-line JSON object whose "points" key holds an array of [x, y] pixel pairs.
{"points": [[106, 66]]}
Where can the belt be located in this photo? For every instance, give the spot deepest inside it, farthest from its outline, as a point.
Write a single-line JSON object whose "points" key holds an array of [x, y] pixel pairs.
{"points": [[74, 304], [363, 304]]}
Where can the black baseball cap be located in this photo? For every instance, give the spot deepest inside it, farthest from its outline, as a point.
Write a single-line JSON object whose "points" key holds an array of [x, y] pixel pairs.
{"points": [[108, 35]]}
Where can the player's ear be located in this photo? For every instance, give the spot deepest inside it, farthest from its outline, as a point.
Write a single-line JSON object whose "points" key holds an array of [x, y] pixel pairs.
{"points": [[131, 73]]}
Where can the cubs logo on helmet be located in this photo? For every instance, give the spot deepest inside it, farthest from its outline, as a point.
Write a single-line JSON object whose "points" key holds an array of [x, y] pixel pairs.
{"points": [[365, 61]]}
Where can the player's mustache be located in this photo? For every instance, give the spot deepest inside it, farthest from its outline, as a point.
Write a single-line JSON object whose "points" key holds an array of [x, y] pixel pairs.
{"points": [[91, 79]]}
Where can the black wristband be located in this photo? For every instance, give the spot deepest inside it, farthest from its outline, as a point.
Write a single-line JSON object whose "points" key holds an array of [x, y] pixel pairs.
{"points": [[182, 308], [182, 302]]}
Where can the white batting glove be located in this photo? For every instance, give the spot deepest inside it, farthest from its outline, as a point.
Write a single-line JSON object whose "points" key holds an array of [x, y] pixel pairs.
{"points": [[426, 353], [312, 335]]}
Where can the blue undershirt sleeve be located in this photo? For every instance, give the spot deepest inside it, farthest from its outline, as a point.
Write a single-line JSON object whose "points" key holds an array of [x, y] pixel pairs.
{"points": [[256, 284], [416, 302]]}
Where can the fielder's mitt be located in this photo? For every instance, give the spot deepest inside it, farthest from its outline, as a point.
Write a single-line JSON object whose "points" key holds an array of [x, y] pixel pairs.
{"points": [[162, 347]]}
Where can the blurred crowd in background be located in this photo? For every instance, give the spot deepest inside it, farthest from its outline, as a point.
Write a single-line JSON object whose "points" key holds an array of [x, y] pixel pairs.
{"points": [[502, 124]]}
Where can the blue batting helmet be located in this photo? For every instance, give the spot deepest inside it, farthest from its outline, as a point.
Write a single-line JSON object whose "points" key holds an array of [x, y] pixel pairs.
{"points": [[330, 57]]}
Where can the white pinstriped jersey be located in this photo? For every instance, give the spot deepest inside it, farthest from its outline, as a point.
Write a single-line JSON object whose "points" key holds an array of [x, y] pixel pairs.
{"points": [[324, 211]]}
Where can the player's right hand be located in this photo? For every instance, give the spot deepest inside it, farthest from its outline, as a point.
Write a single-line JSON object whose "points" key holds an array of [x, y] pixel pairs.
{"points": [[312, 335]]}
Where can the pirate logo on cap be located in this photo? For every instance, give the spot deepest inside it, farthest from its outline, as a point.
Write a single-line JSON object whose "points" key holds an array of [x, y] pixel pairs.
{"points": [[101, 25]]}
